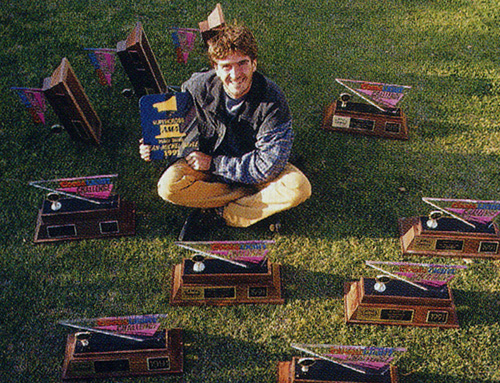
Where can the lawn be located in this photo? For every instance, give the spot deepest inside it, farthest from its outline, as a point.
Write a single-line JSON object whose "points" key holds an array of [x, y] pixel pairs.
{"points": [[446, 50]]}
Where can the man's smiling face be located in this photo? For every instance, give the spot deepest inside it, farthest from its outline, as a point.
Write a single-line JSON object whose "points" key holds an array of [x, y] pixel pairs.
{"points": [[236, 72]]}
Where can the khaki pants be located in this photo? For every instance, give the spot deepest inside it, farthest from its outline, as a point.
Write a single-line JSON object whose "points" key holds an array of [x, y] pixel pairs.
{"points": [[243, 206]]}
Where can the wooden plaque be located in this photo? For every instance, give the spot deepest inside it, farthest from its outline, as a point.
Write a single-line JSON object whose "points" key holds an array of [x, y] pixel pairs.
{"points": [[70, 103], [222, 283], [360, 118], [400, 304], [79, 219], [139, 62], [214, 22], [323, 371], [106, 356], [452, 238]]}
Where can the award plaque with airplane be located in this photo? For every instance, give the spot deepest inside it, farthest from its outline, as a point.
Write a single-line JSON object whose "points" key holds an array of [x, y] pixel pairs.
{"points": [[120, 347], [411, 294], [329, 363], [380, 116], [226, 273], [458, 228], [82, 208]]}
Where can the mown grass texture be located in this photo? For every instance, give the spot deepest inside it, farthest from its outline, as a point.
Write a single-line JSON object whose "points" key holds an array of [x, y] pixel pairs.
{"points": [[447, 50]]}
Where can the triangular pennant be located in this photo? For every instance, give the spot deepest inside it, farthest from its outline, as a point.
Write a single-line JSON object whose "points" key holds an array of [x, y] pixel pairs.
{"points": [[128, 327], [94, 189], [362, 359], [103, 60], [467, 210], [34, 100], [241, 253], [418, 274], [382, 96], [183, 40]]}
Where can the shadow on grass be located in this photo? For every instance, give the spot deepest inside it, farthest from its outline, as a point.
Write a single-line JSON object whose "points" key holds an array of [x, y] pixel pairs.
{"points": [[477, 308], [302, 284], [440, 378], [223, 359]]}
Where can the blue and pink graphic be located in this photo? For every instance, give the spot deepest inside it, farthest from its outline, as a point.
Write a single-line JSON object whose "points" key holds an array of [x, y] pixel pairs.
{"points": [[103, 61], [34, 100]]}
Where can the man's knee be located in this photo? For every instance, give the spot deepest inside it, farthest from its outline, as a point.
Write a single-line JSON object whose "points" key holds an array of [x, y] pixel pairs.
{"points": [[298, 187], [173, 181]]}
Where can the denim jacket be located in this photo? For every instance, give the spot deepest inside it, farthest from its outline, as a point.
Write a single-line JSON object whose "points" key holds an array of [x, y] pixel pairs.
{"points": [[255, 146]]}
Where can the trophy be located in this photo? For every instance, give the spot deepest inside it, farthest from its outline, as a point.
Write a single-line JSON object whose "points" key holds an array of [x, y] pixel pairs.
{"points": [[212, 24], [458, 228], [65, 94], [82, 208], [336, 364], [226, 273], [169, 125], [122, 346], [412, 294], [380, 117], [139, 63]]}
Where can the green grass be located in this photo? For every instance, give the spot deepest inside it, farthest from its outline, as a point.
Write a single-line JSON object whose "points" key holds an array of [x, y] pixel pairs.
{"points": [[446, 50]]}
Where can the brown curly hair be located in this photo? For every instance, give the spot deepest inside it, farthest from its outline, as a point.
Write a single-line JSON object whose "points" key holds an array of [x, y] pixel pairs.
{"points": [[232, 38]]}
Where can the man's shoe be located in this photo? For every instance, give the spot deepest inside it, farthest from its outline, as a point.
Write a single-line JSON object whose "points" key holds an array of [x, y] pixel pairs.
{"points": [[199, 224]]}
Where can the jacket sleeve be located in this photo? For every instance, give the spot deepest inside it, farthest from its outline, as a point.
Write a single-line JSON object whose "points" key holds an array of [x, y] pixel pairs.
{"points": [[266, 162]]}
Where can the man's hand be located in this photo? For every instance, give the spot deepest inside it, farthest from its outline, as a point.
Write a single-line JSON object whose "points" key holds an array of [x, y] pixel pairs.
{"points": [[144, 150], [199, 161]]}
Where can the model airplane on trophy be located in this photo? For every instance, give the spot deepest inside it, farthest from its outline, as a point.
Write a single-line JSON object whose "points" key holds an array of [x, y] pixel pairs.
{"points": [[337, 363], [226, 273], [82, 208], [122, 346], [458, 228], [412, 294], [380, 117]]}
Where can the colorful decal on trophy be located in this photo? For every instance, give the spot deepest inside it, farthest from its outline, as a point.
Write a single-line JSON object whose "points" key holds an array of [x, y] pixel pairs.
{"points": [[253, 252], [103, 61], [466, 210], [94, 189], [134, 327], [382, 96], [359, 358], [183, 39], [34, 100], [432, 275]]}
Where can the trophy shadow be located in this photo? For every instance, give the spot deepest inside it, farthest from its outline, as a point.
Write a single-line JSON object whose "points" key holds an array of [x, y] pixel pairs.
{"points": [[222, 359], [476, 307], [302, 284], [440, 378]]}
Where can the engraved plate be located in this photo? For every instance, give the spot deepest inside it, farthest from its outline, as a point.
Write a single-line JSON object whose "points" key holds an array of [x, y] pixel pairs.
{"points": [[219, 292], [437, 317], [449, 244], [424, 244], [341, 122], [359, 123], [257, 292], [109, 227], [368, 314], [192, 293], [396, 315], [83, 367], [115, 365], [159, 363], [61, 231], [392, 127], [488, 247]]}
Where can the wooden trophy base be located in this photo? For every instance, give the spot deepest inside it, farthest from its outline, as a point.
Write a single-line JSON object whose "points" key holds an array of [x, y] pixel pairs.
{"points": [[451, 238], [365, 119], [79, 219], [222, 283], [400, 304], [108, 356], [323, 371]]}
